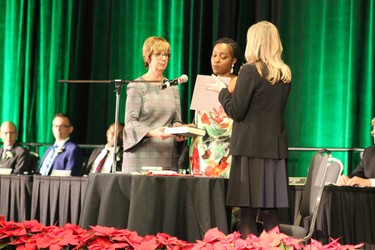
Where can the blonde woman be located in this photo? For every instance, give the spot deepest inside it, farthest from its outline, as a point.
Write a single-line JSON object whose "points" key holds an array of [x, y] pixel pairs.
{"points": [[258, 177]]}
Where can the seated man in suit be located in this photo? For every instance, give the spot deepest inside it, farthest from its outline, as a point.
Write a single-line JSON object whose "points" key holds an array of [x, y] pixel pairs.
{"points": [[13, 155], [364, 174], [101, 159], [64, 154]]}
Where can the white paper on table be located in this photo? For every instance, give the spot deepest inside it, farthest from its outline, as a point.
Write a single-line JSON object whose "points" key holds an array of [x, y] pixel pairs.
{"points": [[203, 99]]}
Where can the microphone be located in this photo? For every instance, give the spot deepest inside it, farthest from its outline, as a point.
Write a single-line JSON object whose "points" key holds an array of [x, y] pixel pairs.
{"points": [[176, 81]]}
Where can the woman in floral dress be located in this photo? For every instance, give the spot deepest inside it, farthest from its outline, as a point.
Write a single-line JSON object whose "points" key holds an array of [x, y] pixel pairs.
{"points": [[209, 154]]}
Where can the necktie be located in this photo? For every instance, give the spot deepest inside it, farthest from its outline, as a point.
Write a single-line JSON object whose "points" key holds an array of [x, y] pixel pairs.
{"points": [[46, 165], [101, 163]]}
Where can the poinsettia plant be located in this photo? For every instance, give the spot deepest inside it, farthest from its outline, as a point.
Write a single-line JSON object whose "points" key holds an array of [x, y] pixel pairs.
{"points": [[33, 235], [214, 239]]}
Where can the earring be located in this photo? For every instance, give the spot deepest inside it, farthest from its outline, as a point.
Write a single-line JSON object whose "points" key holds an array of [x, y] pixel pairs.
{"points": [[232, 69]]}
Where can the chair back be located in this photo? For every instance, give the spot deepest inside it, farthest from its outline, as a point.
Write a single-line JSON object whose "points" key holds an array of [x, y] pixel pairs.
{"points": [[316, 171], [34, 162], [334, 171], [323, 170]]}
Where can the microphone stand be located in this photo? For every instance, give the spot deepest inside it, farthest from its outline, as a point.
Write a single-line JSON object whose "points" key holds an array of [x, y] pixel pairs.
{"points": [[119, 84]]}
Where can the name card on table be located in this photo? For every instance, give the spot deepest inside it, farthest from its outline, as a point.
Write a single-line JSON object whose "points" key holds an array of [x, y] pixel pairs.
{"points": [[297, 181], [5, 171], [60, 172]]}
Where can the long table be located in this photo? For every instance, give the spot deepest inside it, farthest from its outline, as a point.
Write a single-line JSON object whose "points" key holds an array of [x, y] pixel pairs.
{"points": [[182, 206], [15, 196], [348, 213], [58, 200]]}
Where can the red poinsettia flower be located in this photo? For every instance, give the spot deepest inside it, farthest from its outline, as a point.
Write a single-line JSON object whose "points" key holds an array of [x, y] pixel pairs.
{"points": [[292, 242], [104, 231], [213, 234], [57, 238], [130, 237], [240, 243], [271, 238], [28, 243], [314, 245], [13, 231], [33, 226], [104, 243], [201, 245], [149, 243], [172, 242], [334, 244], [31, 235]]}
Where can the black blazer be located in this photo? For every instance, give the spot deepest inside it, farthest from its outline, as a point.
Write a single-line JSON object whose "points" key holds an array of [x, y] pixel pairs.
{"points": [[95, 154], [19, 162], [366, 167], [257, 109]]}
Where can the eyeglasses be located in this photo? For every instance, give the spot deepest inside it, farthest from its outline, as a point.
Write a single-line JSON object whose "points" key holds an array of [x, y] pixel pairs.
{"points": [[161, 55], [61, 126], [8, 133]]}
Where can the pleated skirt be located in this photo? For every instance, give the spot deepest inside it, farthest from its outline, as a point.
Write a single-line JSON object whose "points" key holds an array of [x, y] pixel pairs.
{"points": [[258, 183]]}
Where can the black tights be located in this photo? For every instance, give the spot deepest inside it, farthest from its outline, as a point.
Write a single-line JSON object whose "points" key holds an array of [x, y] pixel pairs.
{"points": [[248, 217]]}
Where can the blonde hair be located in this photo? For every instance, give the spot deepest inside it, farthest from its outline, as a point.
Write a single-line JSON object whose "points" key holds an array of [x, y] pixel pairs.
{"points": [[154, 44], [264, 49], [373, 121]]}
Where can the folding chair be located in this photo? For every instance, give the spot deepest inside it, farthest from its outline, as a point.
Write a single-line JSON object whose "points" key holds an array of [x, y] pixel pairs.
{"points": [[323, 170]]}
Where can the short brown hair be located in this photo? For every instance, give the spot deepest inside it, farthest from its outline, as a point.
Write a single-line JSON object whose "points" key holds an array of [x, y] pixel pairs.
{"points": [[154, 44]]}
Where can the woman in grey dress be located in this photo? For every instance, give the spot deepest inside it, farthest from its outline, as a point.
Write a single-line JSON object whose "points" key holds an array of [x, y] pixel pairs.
{"points": [[149, 110]]}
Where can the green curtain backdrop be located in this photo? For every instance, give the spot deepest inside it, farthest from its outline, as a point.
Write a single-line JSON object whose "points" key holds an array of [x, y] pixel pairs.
{"points": [[329, 45]]}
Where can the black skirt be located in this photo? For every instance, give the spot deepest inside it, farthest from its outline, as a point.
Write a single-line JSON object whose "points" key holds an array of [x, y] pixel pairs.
{"points": [[257, 183]]}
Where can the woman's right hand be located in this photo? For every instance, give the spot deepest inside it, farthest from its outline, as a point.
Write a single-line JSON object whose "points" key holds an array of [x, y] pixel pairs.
{"points": [[159, 133], [217, 86]]}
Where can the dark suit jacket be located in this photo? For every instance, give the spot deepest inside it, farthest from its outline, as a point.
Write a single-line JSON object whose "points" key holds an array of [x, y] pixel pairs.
{"points": [[366, 167], [19, 162], [256, 108], [71, 158], [95, 154]]}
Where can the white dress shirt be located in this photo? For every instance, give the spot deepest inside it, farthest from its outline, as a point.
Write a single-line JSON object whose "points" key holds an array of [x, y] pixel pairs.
{"points": [[107, 167]]}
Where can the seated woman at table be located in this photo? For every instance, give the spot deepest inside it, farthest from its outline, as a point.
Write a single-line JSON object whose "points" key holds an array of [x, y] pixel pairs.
{"points": [[364, 174], [148, 111]]}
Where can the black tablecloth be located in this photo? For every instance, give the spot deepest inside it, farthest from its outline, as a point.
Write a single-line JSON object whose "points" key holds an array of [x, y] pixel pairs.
{"points": [[185, 207], [348, 213], [57, 200], [15, 197]]}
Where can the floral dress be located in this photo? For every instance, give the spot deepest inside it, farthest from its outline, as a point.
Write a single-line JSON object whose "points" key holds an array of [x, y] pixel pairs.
{"points": [[209, 154]]}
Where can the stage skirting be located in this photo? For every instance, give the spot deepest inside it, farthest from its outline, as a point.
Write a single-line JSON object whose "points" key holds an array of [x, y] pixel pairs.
{"points": [[181, 206]]}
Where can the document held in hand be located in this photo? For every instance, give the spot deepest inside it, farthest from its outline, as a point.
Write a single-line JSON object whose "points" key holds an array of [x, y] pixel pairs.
{"points": [[203, 99]]}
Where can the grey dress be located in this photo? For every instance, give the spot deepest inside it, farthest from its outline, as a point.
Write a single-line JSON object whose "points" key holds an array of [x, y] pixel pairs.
{"points": [[147, 108]]}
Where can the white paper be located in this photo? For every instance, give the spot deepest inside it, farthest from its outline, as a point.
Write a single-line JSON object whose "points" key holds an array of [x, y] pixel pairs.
{"points": [[203, 99]]}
